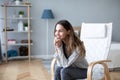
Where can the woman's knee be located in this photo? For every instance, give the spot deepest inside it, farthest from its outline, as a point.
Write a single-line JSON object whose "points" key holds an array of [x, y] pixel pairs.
{"points": [[65, 72]]}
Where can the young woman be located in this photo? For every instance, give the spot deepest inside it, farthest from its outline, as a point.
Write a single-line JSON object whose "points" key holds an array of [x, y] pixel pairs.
{"points": [[69, 52]]}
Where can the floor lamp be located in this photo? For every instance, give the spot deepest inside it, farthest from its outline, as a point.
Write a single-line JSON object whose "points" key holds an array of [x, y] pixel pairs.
{"points": [[47, 14]]}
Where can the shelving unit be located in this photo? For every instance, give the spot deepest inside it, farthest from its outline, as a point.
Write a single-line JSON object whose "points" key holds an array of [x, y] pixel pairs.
{"points": [[15, 32]]}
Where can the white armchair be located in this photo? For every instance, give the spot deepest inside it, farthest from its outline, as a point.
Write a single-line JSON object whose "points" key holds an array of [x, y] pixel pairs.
{"points": [[97, 40]]}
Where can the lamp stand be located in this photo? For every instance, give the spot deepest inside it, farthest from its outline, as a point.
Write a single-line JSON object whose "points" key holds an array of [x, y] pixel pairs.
{"points": [[47, 54], [47, 40], [47, 14]]}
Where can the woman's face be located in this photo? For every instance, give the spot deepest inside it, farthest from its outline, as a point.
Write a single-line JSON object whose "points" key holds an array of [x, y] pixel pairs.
{"points": [[60, 32]]}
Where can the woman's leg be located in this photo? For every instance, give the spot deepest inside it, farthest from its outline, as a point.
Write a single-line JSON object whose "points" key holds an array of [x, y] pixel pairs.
{"points": [[57, 75], [72, 73]]}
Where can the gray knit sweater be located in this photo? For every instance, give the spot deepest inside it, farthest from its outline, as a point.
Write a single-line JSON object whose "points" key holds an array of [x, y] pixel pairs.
{"points": [[73, 60]]}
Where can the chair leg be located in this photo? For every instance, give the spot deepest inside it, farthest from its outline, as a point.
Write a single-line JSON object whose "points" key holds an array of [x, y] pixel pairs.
{"points": [[106, 71]]}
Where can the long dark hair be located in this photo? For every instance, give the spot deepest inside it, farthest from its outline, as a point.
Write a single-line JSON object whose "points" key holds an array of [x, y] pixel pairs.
{"points": [[73, 41]]}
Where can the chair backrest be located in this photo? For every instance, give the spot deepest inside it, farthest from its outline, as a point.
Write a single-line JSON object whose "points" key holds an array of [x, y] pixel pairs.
{"points": [[97, 40]]}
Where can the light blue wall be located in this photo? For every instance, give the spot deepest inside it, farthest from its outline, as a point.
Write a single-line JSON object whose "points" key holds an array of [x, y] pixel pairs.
{"points": [[76, 11]]}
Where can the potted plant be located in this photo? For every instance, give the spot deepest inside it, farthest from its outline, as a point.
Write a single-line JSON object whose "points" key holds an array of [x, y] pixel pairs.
{"points": [[26, 26], [21, 13]]}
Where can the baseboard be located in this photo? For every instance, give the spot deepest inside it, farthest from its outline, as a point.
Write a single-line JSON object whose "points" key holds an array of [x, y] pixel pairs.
{"points": [[32, 56], [42, 56]]}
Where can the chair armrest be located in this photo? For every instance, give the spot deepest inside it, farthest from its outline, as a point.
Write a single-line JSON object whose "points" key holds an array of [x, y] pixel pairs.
{"points": [[53, 68], [106, 70]]}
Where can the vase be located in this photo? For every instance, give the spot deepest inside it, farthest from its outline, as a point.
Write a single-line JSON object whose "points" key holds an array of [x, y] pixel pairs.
{"points": [[17, 2], [20, 26]]}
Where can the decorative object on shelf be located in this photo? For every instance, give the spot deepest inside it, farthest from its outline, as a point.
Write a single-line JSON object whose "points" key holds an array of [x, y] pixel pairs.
{"points": [[26, 41], [26, 2], [23, 51], [12, 53], [11, 41], [47, 14], [21, 13], [8, 29], [20, 26], [17, 2], [26, 26]]}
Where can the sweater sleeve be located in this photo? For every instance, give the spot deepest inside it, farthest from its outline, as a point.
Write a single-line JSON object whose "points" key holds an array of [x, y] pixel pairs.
{"points": [[56, 55], [63, 61]]}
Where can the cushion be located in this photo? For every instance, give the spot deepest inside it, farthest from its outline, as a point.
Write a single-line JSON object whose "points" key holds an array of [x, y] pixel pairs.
{"points": [[94, 31]]}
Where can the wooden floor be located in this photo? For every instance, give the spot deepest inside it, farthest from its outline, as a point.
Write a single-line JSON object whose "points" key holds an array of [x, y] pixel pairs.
{"points": [[22, 70], [115, 75]]}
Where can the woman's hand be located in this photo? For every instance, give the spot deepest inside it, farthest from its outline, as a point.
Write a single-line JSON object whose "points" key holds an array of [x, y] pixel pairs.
{"points": [[57, 43]]}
